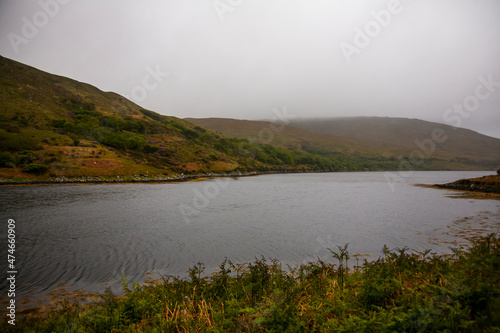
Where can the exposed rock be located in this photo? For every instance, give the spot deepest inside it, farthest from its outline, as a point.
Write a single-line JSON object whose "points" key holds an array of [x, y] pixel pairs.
{"points": [[488, 184]]}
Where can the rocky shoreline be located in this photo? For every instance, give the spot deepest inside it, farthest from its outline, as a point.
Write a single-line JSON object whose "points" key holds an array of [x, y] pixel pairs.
{"points": [[132, 179], [486, 184]]}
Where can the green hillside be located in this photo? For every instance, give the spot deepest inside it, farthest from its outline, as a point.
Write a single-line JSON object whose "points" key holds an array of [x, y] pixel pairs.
{"points": [[52, 126]]}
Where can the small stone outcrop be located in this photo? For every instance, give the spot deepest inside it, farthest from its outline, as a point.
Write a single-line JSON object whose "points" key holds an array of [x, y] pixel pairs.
{"points": [[487, 184]]}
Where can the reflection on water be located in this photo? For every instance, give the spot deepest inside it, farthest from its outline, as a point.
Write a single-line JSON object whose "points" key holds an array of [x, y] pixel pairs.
{"points": [[89, 236]]}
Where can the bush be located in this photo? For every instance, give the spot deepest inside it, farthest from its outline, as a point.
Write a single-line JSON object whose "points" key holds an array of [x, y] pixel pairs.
{"points": [[25, 157], [35, 169], [135, 142], [59, 123], [113, 140], [6, 160], [148, 149], [125, 124], [190, 134], [70, 127], [152, 115]]}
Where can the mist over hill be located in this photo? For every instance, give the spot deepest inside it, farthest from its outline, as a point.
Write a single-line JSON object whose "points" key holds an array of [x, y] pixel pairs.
{"points": [[401, 132], [457, 143], [442, 147]]}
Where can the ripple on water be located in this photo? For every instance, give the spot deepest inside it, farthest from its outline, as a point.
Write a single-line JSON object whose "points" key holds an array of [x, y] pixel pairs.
{"points": [[89, 236]]}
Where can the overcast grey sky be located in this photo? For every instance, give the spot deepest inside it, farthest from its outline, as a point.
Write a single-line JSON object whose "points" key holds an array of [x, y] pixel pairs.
{"points": [[242, 58]]}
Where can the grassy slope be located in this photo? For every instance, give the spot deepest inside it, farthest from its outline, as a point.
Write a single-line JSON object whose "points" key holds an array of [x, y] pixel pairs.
{"points": [[31, 100], [71, 129]]}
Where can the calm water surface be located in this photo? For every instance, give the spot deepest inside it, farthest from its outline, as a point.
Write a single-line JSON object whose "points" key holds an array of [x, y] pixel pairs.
{"points": [[88, 236]]}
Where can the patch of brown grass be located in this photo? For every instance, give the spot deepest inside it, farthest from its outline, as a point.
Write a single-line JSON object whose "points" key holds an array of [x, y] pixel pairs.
{"points": [[223, 166]]}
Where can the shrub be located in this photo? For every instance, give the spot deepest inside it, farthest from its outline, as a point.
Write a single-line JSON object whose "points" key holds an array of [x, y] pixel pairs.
{"points": [[88, 106], [152, 115], [135, 142], [35, 169], [114, 140], [190, 134], [25, 157], [148, 149], [59, 123], [6, 160], [70, 127]]}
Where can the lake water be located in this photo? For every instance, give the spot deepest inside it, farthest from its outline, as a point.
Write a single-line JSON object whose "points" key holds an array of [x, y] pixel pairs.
{"points": [[88, 236]]}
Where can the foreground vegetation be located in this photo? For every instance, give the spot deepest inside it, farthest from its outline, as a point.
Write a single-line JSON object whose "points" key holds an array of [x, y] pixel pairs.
{"points": [[400, 292]]}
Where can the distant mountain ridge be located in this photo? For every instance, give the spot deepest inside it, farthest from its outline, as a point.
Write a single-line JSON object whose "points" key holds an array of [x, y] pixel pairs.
{"points": [[371, 128], [404, 132], [398, 137]]}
